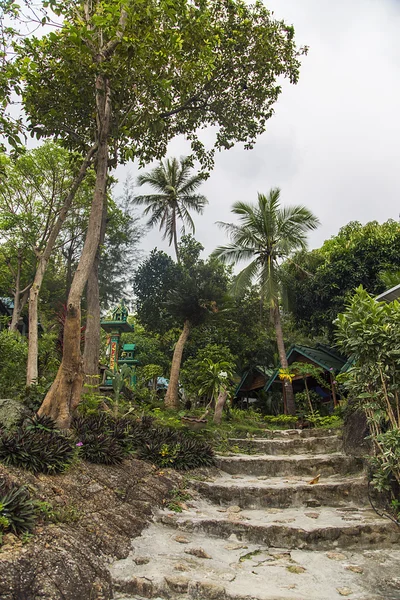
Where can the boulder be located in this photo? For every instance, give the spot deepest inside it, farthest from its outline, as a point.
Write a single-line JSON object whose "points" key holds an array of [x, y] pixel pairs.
{"points": [[12, 412]]}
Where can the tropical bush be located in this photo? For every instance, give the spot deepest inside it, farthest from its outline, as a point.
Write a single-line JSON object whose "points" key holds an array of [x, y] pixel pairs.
{"points": [[369, 331]]}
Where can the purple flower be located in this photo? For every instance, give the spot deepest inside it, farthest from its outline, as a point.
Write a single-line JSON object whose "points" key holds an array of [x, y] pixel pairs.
{"points": [[331, 369], [79, 444], [335, 382]]}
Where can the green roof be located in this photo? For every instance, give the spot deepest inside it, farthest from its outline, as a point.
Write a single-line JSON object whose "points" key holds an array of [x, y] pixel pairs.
{"points": [[267, 371], [321, 355]]}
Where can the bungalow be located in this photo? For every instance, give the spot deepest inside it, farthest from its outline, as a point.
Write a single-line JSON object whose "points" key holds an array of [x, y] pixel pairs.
{"points": [[253, 381], [328, 360]]}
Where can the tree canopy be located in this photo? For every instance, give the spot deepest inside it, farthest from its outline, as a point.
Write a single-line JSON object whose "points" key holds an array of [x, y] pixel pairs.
{"points": [[320, 282], [174, 67]]}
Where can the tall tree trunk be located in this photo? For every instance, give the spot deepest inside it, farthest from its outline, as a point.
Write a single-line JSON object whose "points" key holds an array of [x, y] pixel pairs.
{"points": [[171, 397], [32, 364], [20, 296], [175, 235], [91, 352], [219, 407], [65, 393], [290, 403]]}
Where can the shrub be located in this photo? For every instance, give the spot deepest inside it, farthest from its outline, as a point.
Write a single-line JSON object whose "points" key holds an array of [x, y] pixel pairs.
{"points": [[281, 420], [41, 423], [36, 449], [101, 438], [101, 448], [176, 451], [17, 511], [104, 439]]}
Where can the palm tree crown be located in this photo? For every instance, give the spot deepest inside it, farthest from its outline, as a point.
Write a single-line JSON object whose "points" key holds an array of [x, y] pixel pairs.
{"points": [[266, 235], [175, 196]]}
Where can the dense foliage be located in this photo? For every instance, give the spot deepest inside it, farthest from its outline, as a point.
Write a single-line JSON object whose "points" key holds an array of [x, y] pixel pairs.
{"points": [[369, 332], [320, 282]]}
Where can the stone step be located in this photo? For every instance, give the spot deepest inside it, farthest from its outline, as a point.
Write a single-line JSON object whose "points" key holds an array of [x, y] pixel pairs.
{"points": [[281, 465], [280, 492], [201, 568], [301, 433], [320, 528], [294, 445]]}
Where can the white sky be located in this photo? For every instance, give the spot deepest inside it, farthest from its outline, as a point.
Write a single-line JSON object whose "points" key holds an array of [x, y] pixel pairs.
{"points": [[334, 141]]}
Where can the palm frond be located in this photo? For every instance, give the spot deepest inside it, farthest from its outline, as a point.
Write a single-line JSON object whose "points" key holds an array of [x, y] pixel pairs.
{"points": [[245, 277]]}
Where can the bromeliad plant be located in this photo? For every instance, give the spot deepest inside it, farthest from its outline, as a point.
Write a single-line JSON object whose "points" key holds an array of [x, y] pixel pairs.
{"points": [[369, 331]]}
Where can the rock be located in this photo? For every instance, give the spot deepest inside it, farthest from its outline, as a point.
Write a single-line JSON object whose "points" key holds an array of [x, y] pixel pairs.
{"points": [[12, 413], [235, 547], [354, 568], [344, 591], [199, 552], [181, 539], [206, 589], [311, 503], [296, 569], [234, 509], [312, 515], [94, 488], [141, 586], [177, 584], [279, 555], [141, 560], [336, 556], [291, 520], [181, 567], [237, 477]]}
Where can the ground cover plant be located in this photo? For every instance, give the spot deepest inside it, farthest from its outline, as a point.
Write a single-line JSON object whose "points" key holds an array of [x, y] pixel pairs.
{"points": [[37, 446], [17, 510]]}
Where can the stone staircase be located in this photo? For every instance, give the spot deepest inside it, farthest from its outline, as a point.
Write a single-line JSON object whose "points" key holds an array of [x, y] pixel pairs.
{"points": [[258, 529]]}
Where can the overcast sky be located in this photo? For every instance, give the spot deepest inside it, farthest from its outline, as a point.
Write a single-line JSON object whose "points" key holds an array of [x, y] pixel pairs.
{"points": [[333, 143]]}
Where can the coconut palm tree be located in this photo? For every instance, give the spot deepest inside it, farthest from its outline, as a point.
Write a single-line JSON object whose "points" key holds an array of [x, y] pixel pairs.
{"points": [[175, 196], [267, 234]]}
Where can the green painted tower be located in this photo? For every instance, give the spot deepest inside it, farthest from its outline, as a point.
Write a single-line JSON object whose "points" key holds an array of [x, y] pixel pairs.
{"points": [[119, 356]]}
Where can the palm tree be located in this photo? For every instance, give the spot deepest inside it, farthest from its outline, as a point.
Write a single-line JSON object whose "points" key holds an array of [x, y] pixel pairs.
{"points": [[267, 234], [175, 196]]}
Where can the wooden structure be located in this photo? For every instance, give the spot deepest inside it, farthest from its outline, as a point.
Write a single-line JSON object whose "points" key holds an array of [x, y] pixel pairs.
{"points": [[328, 360], [252, 382]]}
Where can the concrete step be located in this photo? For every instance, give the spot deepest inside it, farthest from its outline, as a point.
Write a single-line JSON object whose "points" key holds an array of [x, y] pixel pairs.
{"points": [[281, 465], [280, 492], [302, 433], [293, 445], [161, 567], [320, 528], [264, 431]]}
